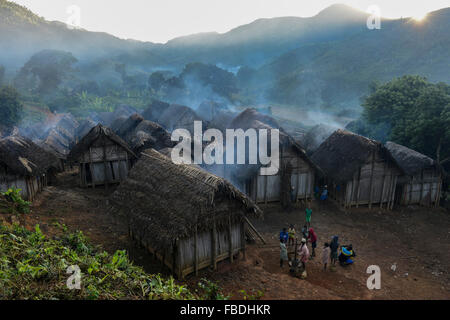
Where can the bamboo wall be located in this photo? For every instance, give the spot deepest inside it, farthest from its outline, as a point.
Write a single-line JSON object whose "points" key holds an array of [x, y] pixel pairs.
{"points": [[422, 188], [105, 162], [372, 184], [30, 186], [263, 189], [201, 250]]}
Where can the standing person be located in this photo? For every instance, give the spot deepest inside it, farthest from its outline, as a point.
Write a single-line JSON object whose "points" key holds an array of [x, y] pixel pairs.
{"points": [[334, 246], [305, 232], [326, 252], [303, 253], [308, 214], [291, 234], [284, 236], [313, 238], [283, 253], [324, 195]]}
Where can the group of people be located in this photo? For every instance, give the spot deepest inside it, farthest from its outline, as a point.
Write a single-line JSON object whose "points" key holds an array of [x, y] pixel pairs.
{"points": [[331, 251]]}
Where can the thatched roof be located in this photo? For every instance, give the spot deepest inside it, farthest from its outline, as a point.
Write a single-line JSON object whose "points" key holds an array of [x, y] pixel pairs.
{"points": [[84, 127], [127, 127], [411, 161], [95, 133], [249, 115], [23, 157], [149, 134], [341, 155], [177, 116], [154, 110], [164, 201], [316, 135], [250, 118]]}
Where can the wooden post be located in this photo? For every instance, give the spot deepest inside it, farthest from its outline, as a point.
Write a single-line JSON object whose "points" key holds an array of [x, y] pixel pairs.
{"points": [[297, 186], [358, 189], [438, 192], [256, 187], [81, 175], [243, 237], [214, 245], [372, 167], [384, 182], [393, 192], [196, 250], [105, 169], [421, 187], [230, 242], [265, 189], [91, 168]]}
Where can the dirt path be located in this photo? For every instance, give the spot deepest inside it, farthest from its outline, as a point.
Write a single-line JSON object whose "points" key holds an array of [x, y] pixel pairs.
{"points": [[416, 240]]}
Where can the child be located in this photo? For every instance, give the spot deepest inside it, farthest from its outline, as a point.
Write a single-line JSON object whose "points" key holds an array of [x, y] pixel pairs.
{"points": [[334, 246], [305, 231], [308, 212], [291, 234], [313, 238], [283, 253], [325, 255], [284, 236], [303, 253]]}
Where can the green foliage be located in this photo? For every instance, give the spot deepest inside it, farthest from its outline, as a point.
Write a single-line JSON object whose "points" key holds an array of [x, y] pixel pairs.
{"points": [[10, 106], [18, 204], [252, 295], [33, 266], [211, 290], [50, 67], [410, 111]]}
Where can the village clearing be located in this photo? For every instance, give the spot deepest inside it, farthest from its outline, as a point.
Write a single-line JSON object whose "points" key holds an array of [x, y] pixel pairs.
{"points": [[410, 245]]}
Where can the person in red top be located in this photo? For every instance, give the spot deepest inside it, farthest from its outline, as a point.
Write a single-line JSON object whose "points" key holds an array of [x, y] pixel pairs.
{"points": [[313, 239]]}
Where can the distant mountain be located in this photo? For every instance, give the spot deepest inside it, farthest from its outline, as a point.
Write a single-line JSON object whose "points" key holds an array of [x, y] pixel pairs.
{"points": [[338, 73], [326, 61]]}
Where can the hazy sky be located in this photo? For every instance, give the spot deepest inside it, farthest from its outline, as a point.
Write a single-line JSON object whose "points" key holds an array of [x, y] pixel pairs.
{"points": [[161, 20]]}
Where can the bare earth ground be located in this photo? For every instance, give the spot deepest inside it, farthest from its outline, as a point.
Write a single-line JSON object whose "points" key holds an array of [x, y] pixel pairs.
{"points": [[415, 239]]}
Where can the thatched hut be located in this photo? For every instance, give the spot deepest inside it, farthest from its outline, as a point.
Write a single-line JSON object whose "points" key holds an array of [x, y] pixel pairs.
{"points": [[26, 166], [85, 126], [359, 171], [103, 157], [295, 176], [189, 218], [422, 178]]}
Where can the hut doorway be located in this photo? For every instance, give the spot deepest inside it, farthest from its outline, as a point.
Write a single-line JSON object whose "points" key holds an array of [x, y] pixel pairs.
{"points": [[88, 173]]}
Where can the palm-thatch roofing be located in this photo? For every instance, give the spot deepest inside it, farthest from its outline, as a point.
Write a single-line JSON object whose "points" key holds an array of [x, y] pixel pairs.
{"points": [[177, 116], [249, 115], [164, 201], [127, 127], [411, 161], [155, 110], [25, 158], [251, 118], [85, 126], [316, 135], [99, 131], [341, 155], [149, 134]]}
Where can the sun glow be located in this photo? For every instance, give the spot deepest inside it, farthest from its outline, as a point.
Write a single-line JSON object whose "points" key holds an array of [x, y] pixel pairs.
{"points": [[420, 17]]}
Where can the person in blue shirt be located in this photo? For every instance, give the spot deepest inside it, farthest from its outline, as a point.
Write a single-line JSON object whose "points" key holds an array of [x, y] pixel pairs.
{"points": [[324, 194], [284, 235]]}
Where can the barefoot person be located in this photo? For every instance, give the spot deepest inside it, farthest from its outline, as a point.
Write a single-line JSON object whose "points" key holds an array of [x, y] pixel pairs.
{"points": [[283, 253], [291, 234], [334, 246], [303, 253], [308, 214], [325, 255], [312, 237]]}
